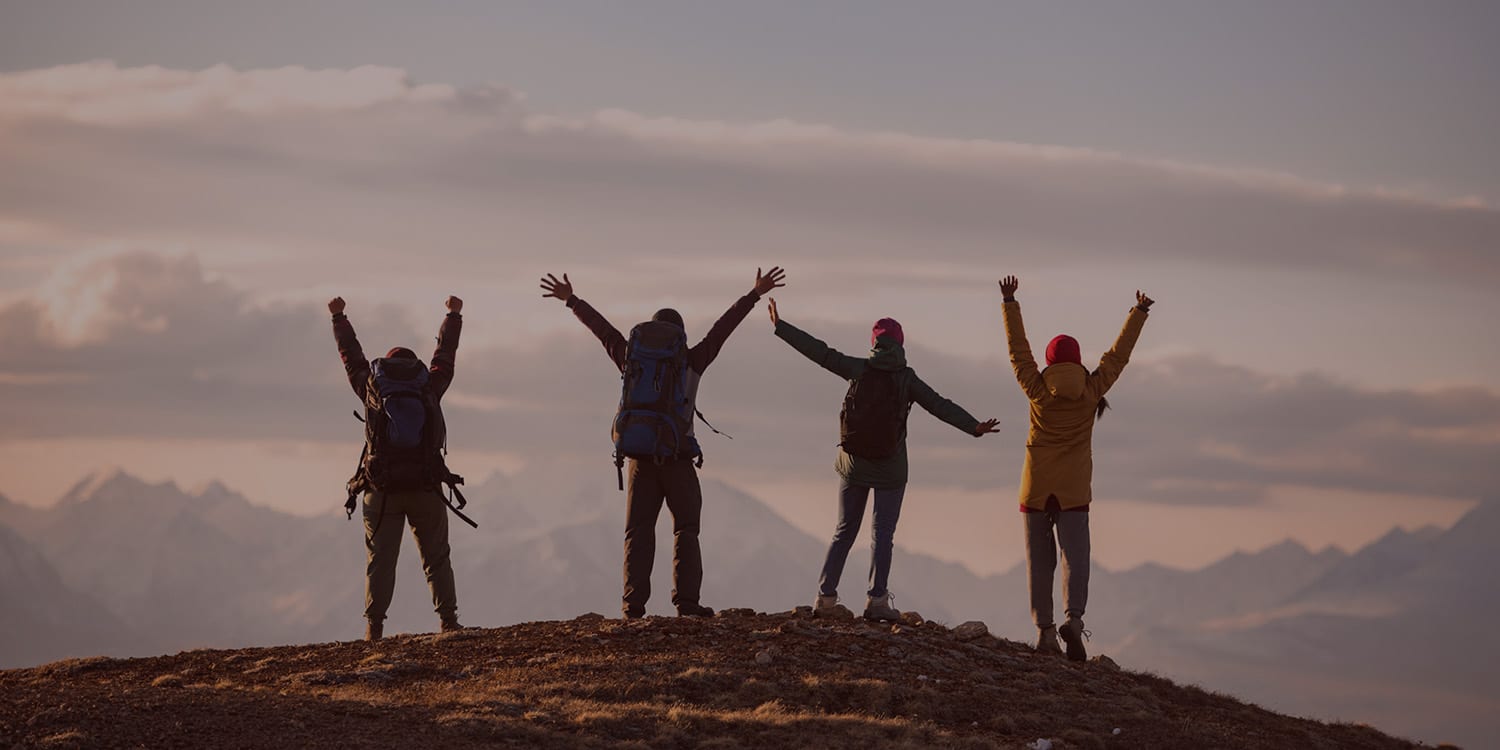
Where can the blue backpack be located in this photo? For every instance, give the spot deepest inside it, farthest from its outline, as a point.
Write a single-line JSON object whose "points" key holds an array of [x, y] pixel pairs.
{"points": [[400, 386], [655, 419]]}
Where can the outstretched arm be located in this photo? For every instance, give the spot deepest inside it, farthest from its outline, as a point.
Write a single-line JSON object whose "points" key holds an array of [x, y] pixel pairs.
{"points": [[949, 412], [356, 367], [445, 357], [823, 355], [707, 350], [614, 343], [1021, 359], [1113, 362]]}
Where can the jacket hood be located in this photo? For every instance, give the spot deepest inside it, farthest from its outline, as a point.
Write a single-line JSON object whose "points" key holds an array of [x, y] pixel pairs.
{"points": [[888, 355], [1066, 380]]}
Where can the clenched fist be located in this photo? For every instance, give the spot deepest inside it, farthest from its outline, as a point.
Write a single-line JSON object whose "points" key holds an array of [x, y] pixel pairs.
{"points": [[454, 304], [336, 305]]}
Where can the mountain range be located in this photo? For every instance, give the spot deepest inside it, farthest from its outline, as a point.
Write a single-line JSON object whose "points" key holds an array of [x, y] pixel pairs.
{"points": [[1392, 634]]}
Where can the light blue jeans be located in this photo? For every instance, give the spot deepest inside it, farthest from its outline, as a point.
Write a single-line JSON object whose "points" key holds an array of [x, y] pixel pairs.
{"points": [[852, 499]]}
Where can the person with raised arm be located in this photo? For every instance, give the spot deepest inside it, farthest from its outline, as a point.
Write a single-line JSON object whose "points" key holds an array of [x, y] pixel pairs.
{"points": [[1057, 476], [872, 450], [402, 469], [653, 430]]}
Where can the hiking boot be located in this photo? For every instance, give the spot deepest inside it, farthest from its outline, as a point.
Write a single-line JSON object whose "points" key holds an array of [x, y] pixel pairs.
{"points": [[374, 631], [694, 610], [1073, 635], [825, 604], [879, 608], [633, 613], [1046, 641], [450, 624]]}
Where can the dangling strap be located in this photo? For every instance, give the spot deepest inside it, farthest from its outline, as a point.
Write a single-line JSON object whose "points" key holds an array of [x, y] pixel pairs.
{"points": [[711, 427], [462, 502], [620, 470]]}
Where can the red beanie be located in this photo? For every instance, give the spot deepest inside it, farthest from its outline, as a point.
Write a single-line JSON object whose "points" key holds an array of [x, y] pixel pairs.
{"points": [[400, 352], [1064, 348], [889, 328]]}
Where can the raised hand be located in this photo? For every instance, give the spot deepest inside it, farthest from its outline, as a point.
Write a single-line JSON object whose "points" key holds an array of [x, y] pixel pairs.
{"points": [[559, 289], [1009, 285], [774, 317], [987, 427], [454, 304], [771, 280], [336, 305], [1142, 301]]}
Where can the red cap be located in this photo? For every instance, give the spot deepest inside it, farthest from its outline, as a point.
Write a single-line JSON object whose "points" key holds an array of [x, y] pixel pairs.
{"points": [[1064, 348], [887, 327]]}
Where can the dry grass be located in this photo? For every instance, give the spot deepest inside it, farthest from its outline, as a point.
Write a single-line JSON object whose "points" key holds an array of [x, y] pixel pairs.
{"points": [[657, 683]]}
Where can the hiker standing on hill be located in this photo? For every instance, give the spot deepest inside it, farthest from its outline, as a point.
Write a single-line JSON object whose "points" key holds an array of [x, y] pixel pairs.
{"points": [[654, 430], [1057, 478], [403, 469], [872, 449]]}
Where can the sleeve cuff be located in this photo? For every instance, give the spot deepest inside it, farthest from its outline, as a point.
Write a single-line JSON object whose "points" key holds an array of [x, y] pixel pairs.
{"points": [[338, 316], [572, 302]]}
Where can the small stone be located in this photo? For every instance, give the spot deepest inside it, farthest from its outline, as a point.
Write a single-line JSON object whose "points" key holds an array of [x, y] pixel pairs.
{"points": [[763, 657], [803, 612], [737, 612], [836, 612], [896, 629], [1105, 663], [971, 630], [923, 678], [894, 653], [1117, 731], [589, 617], [912, 618]]}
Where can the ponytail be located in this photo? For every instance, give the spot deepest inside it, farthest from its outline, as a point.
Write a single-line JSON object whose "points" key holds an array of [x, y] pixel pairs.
{"points": [[1103, 404]]}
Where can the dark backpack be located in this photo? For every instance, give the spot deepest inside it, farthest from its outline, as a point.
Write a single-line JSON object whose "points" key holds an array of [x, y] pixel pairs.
{"points": [[654, 418], [400, 413], [873, 419], [404, 437]]}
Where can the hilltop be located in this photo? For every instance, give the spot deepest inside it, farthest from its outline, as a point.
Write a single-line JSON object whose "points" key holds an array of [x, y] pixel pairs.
{"points": [[739, 680]]}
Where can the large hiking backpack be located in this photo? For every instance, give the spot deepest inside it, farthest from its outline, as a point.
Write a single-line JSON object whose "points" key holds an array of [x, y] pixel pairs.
{"points": [[655, 418], [872, 421], [404, 437]]}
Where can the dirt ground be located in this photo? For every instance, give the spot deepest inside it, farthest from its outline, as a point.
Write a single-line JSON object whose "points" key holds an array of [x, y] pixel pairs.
{"points": [[739, 680]]}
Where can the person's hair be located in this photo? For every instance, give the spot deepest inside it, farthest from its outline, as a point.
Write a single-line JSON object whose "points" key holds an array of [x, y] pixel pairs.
{"points": [[1103, 404]]}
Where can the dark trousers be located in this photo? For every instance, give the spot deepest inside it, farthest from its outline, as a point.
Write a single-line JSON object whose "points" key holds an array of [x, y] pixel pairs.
{"points": [[852, 500], [1072, 536], [651, 483]]}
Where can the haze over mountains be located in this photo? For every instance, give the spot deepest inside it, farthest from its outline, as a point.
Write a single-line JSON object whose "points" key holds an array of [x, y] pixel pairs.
{"points": [[1393, 634]]}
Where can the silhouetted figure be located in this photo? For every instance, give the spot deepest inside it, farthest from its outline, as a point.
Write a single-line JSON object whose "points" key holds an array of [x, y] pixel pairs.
{"points": [[654, 431], [872, 449], [402, 470], [1057, 478]]}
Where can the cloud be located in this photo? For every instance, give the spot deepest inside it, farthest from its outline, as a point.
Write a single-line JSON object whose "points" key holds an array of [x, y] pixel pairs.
{"points": [[159, 349], [365, 160]]}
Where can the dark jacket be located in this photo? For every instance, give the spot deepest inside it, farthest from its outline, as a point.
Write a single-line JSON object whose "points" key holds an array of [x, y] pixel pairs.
{"points": [[888, 472], [699, 357], [440, 376]]}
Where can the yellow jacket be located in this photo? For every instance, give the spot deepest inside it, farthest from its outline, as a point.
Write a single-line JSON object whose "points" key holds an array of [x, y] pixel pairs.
{"points": [[1059, 448]]}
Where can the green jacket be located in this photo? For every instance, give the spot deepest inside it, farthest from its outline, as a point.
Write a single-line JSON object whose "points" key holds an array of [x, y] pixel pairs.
{"points": [[887, 355]]}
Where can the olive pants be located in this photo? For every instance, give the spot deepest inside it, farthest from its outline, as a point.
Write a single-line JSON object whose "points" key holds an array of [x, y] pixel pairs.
{"points": [[386, 513]]}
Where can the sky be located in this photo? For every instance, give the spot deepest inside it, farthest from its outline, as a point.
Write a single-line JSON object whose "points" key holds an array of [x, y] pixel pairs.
{"points": [[1311, 192]]}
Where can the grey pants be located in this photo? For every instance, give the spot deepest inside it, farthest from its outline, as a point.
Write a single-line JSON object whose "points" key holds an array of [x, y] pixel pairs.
{"points": [[1041, 562], [428, 516]]}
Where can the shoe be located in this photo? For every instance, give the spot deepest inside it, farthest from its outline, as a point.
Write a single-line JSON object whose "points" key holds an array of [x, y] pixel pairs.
{"points": [[1046, 641], [824, 605], [450, 624], [694, 610], [633, 613], [374, 631], [879, 608], [1073, 635]]}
